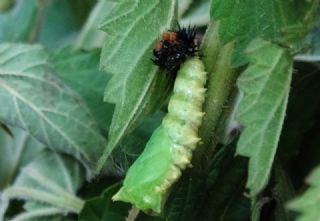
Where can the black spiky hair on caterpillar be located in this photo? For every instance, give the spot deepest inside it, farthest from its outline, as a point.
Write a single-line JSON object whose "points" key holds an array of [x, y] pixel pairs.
{"points": [[174, 48]]}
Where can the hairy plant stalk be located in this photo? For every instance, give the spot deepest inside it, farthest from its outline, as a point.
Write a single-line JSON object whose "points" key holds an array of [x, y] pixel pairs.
{"points": [[220, 84]]}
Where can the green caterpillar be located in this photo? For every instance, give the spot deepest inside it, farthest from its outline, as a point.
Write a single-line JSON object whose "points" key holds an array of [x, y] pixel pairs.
{"points": [[169, 150]]}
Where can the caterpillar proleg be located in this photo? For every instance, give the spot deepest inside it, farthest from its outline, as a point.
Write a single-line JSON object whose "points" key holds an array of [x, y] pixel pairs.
{"points": [[169, 149]]}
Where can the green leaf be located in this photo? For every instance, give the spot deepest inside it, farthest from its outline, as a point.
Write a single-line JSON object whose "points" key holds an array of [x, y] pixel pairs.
{"points": [[266, 85], [15, 25], [59, 27], [308, 203], [48, 184], [276, 20], [38, 102], [80, 72], [136, 87], [102, 208], [16, 151], [90, 37], [126, 26], [198, 14]]}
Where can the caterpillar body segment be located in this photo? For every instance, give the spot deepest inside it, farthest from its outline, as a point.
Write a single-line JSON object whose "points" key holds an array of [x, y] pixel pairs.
{"points": [[170, 147]]}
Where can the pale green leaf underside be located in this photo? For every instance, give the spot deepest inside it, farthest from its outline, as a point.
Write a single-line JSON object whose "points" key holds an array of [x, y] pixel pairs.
{"points": [[32, 98], [308, 204], [48, 185], [266, 85], [16, 152], [136, 87], [80, 71]]}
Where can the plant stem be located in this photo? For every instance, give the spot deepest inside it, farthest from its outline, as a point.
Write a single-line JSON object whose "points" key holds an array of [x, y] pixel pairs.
{"points": [[133, 214], [38, 213], [42, 4], [67, 202], [211, 47], [221, 82]]}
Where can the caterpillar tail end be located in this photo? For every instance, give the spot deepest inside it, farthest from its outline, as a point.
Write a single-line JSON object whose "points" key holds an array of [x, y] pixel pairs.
{"points": [[147, 204], [118, 196]]}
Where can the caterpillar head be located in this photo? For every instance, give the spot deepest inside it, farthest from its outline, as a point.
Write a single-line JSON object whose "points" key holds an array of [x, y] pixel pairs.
{"points": [[174, 48]]}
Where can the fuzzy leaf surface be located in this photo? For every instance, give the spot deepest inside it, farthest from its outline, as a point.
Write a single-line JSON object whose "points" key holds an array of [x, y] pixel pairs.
{"points": [[80, 71], [16, 151], [33, 98], [276, 20], [136, 87], [266, 86]]}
